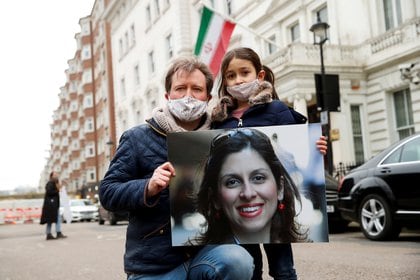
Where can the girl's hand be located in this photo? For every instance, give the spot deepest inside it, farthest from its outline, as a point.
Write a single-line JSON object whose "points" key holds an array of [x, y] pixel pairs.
{"points": [[321, 145], [160, 179]]}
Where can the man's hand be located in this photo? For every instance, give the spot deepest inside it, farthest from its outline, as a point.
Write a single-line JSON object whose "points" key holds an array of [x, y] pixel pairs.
{"points": [[321, 145], [160, 179]]}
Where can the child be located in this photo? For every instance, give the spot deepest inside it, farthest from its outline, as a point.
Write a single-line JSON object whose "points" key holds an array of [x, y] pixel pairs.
{"points": [[247, 98]]}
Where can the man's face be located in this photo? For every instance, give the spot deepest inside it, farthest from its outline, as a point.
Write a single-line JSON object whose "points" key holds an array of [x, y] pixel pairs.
{"points": [[188, 84]]}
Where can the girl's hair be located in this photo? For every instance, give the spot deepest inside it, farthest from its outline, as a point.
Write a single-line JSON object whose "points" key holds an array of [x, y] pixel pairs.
{"points": [[283, 227], [250, 55]]}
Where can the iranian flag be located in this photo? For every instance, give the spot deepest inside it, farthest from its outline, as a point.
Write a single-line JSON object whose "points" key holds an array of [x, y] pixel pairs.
{"points": [[213, 39]]}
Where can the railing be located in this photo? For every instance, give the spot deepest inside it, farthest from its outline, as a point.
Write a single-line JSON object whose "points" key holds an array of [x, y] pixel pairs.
{"points": [[341, 169], [349, 55]]}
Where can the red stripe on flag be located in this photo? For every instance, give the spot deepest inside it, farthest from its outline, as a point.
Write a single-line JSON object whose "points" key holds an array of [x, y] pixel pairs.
{"points": [[221, 47]]}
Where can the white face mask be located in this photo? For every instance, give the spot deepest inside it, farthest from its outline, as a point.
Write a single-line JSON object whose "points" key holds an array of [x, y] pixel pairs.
{"points": [[187, 109], [244, 91]]}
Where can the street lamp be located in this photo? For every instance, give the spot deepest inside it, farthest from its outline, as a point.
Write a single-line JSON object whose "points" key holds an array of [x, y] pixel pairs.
{"points": [[320, 32]]}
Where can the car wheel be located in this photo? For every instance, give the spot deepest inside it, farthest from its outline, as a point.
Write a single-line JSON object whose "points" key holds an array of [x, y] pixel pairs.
{"points": [[112, 219], [375, 219]]}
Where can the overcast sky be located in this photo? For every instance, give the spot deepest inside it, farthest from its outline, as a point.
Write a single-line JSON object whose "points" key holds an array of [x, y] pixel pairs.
{"points": [[37, 40]]}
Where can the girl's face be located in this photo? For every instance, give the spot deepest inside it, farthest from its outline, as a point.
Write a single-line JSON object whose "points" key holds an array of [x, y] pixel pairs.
{"points": [[241, 71], [247, 192]]}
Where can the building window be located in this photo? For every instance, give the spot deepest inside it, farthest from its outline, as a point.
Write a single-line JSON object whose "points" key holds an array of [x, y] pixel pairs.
{"points": [[151, 62], [157, 8], [322, 15], [87, 76], [121, 48], [295, 33], [86, 52], [88, 101], [122, 85], [166, 4], [403, 113], [169, 46], [133, 35], [392, 13], [271, 47], [148, 16], [127, 42], [138, 117], [136, 75], [229, 7], [356, 124], [89, 125]]}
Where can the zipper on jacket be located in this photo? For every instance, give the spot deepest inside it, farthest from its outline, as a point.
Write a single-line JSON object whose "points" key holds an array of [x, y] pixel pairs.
{"points": [[240, 123]]}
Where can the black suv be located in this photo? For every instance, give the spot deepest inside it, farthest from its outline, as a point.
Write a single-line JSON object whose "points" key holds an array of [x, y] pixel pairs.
{"points": [[336, 223], [383, 194]]}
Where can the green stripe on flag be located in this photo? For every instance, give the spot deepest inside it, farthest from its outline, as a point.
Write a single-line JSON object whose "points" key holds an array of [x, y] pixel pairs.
{"points": [[205, 20]]}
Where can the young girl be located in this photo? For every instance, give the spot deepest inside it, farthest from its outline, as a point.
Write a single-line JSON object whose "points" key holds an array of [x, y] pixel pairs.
{"points": [[247, 98]]}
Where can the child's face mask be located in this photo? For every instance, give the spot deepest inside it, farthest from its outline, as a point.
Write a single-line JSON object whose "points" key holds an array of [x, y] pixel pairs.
{"points": [[244, 91], [187, 108]]}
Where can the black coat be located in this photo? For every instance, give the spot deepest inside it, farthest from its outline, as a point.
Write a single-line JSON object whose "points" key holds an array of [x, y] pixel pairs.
{"points": [[51, 203]]}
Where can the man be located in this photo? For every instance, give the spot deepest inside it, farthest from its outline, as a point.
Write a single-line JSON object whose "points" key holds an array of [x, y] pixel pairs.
{"points": [[50, 209], [138, 179]]}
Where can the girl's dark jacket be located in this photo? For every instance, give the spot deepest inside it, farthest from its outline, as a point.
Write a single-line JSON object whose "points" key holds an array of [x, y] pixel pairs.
{"points": [[263, 111], [267, 114], [51, 203], [148, 242]]}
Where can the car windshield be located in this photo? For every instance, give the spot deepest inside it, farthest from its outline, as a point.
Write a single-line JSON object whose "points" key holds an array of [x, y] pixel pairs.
{"points": [[78, 203], [88, 202]]}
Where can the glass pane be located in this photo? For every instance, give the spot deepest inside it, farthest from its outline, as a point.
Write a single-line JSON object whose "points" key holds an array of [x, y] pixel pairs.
{"points": [[409, 107], [295, 33], [405, 132], [388, 14], [358, 150], [400, 109], [355, 117], [398, 11], [394, 157], [411, 151], [323, 14], [357, 133]]}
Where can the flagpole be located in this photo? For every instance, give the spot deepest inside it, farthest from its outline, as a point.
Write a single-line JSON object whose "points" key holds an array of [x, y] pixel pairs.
{"points": [[243, 26]]}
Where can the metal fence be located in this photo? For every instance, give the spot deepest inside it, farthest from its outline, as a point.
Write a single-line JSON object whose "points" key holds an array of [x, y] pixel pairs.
{"points": [[343, 168]]}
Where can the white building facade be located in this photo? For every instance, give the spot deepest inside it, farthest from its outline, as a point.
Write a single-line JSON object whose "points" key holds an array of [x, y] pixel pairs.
{"points": [[368, 43]]}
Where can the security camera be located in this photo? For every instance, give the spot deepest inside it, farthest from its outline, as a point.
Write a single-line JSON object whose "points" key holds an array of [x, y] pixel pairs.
{"points": [[406, 67], [416, 80]]}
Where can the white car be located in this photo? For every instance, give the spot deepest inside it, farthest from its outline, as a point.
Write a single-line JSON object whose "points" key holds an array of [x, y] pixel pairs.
{"points": [[81, 210]]}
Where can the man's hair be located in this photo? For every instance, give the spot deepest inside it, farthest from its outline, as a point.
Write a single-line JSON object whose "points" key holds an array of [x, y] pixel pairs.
{"points": [[188, 65]]}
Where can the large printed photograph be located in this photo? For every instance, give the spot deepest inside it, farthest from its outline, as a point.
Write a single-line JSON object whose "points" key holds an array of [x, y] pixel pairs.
{"points": [[247, 186]]}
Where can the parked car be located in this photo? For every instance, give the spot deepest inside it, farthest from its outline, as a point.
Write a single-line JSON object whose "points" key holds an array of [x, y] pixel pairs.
{"points": [[112, 217], [336, 223], [81, 210], [383, 194]]}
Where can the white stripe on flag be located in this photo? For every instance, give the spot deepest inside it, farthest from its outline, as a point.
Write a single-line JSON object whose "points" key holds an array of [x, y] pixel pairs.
{"points": [[212, 38]]}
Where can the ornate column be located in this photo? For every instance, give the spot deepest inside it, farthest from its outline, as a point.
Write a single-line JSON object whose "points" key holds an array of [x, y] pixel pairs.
{"points": [[299, 101]]}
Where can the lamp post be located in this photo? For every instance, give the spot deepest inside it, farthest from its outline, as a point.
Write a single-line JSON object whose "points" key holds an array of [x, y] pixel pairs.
{"points": [[320, 32]]}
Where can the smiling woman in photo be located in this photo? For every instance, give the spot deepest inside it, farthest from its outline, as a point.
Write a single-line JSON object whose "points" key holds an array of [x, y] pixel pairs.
{"points": [[246, 194]]}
